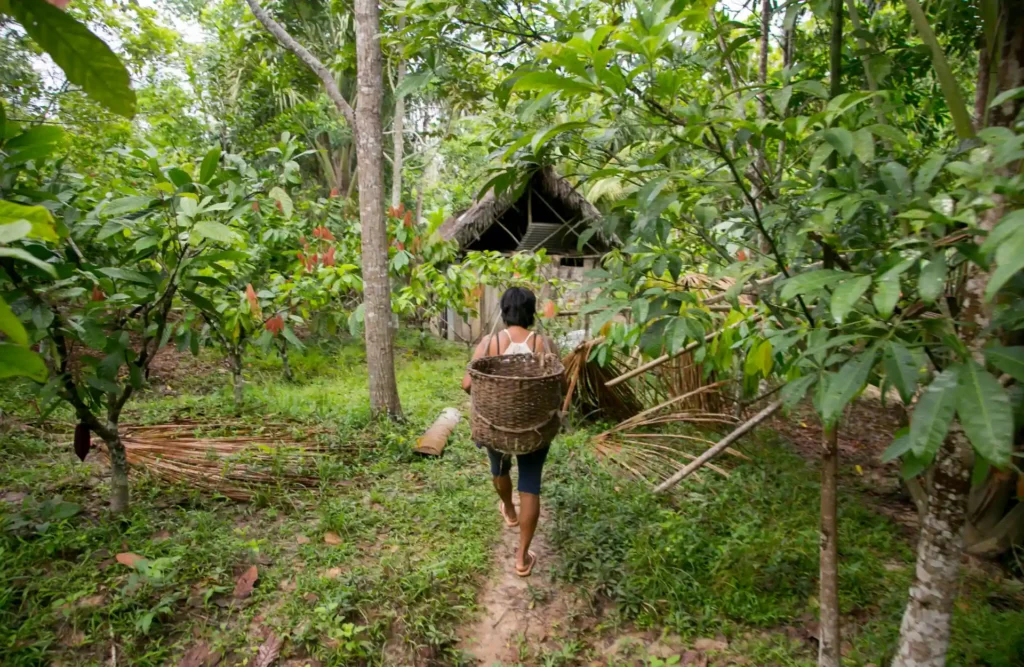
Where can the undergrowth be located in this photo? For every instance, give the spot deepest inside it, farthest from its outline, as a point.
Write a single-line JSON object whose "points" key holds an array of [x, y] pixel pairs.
{"points": [[739, 556]]}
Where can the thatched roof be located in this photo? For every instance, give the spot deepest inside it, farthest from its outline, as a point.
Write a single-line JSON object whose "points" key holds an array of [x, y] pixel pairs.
{"points": [[469, 225]]}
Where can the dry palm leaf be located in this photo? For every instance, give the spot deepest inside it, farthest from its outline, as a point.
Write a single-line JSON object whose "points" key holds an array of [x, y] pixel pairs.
{"points": [[232, 465]]}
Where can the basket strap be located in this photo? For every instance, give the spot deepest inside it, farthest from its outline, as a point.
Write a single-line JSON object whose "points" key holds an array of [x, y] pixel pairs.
{"points": [[535, 428]]}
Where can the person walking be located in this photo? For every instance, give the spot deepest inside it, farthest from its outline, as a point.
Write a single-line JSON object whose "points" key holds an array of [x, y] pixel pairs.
{"points": [[518, 312]]}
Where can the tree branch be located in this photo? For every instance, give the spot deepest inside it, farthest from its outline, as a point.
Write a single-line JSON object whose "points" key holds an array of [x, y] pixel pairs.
{"points": [[311, 61]]}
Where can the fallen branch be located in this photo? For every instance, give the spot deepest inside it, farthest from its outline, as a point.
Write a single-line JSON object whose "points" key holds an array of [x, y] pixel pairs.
{"points": [[433, 441], [723, 444]]}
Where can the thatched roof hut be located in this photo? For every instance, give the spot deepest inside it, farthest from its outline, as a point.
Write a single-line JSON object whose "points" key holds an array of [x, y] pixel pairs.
{"points": [[549, 213]]}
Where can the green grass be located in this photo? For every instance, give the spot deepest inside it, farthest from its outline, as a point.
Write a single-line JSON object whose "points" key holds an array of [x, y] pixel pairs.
{"points": [[733, 556], [416, 534], [739, 556]]}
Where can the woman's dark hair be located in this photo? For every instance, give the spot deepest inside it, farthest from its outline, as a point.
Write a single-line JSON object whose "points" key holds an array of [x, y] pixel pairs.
{"points": [[518, 307]]}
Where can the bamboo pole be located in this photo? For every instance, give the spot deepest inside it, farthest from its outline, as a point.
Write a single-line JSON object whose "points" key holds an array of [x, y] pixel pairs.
{"points": [[725, 442]]}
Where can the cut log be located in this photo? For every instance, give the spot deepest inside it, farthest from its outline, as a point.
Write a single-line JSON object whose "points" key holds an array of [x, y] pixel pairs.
{"points": [[433, 441], [722, 445]]}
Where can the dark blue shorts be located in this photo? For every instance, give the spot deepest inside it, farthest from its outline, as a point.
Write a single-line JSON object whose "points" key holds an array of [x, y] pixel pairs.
{"points": [[530, 467]]}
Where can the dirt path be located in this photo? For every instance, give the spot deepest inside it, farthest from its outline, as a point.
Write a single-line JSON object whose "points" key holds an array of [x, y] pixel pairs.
{"points": [[516, 614]]}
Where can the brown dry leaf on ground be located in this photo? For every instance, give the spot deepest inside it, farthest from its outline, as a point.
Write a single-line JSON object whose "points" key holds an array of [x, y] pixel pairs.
{"points": [[243, 588], [200, 655], [302, 539], [269, 651], [332, 538], [333, 573], [129, 559]]}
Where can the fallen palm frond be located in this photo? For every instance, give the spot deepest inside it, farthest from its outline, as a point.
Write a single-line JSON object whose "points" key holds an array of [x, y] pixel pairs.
{"points": [[232, 465], [656, 456], [588, 392]]}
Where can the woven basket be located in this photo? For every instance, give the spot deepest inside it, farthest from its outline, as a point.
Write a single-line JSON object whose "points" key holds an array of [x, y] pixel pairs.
{"points": [[516, 401]]}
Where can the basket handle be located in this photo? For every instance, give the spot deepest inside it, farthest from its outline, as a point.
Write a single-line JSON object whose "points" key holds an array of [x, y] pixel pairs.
{"points": [[535, 428]]}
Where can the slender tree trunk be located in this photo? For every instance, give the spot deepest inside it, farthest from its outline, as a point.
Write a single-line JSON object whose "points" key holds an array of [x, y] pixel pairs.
{"points": [[829, 639], [237, 381], [398, 130], [119, 490], [369, 153], [984, 82], [282, 350]]}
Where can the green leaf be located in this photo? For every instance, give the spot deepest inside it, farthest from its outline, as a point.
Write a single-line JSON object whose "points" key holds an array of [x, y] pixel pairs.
{"points": [[18, 253], [844, 385], [549, 82], [889, 133], [896, 178], [809, 282], [932, 282], [1006, 96], [1009, 360], [985, 414], [846, 295], [794, 391], [901, 370], [887, 293], [86, 60], [1009, 254], [412, 83], [947, 81], [816, 88], [899, 446], [18, 361], [209, 165], [780, 99], [127, 274], [841, 139], [543, 136], [864, 146], [119, 207], [41, 220], [284, 201], [11, 326], [290, 336], [215, 231], [927, 173], [14, 231], [934, 413], [759, 359], [819, 157]]}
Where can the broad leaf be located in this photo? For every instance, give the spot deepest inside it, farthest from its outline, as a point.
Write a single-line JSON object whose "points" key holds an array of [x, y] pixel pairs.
{"points": [[901, 370], [18, 361], [846, 295], [14, 231], [887, 293], [841, 139], [284, 202], [1009, 360], [934, 413], [985, 414], [809, 282], [11, 326], [933, 279], [18, 253], [794, 391], [40, 219], [845, 384], [119, 207], [86, 60], [896, 179], [215, 231], [209, 165]]}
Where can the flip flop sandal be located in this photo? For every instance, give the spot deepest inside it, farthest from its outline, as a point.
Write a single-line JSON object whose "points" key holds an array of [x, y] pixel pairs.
{"points": [[529, 568], [501, 511]]}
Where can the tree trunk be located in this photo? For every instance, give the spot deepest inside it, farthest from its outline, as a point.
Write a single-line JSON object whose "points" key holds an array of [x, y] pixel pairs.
{"points": [[924, 632], [119, 491], [828, 633], [398, 130], [282, 350], [369, 153], [237, 381]]}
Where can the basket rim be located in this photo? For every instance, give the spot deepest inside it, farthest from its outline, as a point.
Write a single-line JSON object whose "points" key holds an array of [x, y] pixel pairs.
{"points": [[559, 369]]}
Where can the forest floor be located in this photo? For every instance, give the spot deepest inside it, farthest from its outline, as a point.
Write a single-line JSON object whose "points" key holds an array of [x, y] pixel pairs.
{"points": [[399, 560]]}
